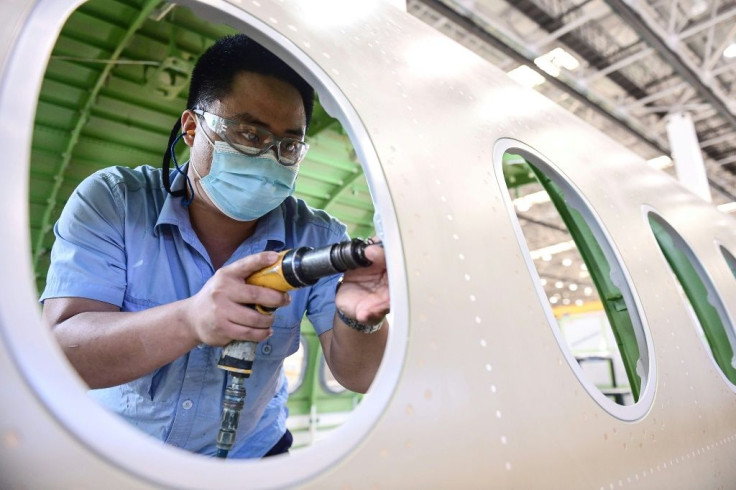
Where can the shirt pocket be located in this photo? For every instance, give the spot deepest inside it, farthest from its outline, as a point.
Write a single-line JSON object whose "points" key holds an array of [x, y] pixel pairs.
{"points": [[280, 345]]}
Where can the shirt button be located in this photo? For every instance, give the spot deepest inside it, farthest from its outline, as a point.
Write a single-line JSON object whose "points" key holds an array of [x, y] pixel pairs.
{"points": [[187, 404], [266, 349]]}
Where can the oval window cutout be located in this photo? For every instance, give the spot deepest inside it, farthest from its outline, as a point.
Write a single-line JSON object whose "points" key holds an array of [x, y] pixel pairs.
{"points": [[127, 117], [582, 279], [730, 260], [710, 313]]}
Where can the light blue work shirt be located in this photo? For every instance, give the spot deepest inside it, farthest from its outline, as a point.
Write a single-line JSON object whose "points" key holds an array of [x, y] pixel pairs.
{"points": [[124, 240]]}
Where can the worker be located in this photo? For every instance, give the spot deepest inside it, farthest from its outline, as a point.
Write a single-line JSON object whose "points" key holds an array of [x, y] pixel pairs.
{"points": [[147, 274]]}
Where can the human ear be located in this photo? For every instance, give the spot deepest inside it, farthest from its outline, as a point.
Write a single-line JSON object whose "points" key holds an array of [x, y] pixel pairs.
{"points": [[188, 127]]}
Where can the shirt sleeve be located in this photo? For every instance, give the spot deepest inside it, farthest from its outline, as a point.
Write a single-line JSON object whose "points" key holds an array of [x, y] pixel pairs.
{"points": [[88, 255], [321, 303]]}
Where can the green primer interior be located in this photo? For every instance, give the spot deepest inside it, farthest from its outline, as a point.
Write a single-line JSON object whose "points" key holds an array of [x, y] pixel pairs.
{"points": [[730, 260], [677, 253], [600, 271], [311, 391]]}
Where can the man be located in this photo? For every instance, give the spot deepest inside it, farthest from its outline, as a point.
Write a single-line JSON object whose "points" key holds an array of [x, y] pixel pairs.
{"points": [[145, 286]]}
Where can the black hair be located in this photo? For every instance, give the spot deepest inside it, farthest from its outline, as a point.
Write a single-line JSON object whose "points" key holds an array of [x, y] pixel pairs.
{"points": [[215, 71]]}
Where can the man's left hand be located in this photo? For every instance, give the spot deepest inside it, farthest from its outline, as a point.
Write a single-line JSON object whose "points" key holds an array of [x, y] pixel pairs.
{"points": [[364, 294]]}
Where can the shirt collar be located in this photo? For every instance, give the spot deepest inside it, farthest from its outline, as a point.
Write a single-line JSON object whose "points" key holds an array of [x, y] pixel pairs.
{"points": [[173, 212]]}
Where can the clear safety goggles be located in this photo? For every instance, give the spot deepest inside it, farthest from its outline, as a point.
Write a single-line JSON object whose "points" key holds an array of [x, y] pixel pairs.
{"points": [[254, 140]]}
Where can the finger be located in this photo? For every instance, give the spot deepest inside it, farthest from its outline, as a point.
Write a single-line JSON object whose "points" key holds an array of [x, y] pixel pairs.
{"points": [[246, 266], [239, 332], [245, 316], [376, 254], [248, 294], [371, 313]]}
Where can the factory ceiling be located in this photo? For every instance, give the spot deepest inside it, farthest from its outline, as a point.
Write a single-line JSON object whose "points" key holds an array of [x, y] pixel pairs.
{"points": [[116, 83]]}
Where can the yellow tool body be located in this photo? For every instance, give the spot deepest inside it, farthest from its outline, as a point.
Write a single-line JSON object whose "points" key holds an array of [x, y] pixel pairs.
{"points": [[294, 269], [272, 276]]}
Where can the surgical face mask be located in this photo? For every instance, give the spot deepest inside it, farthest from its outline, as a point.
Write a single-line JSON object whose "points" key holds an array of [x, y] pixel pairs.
{"points": [[246, 187]]}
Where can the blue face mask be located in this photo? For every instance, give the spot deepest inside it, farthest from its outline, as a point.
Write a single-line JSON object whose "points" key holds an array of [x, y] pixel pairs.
{"points": [[246, 187]]}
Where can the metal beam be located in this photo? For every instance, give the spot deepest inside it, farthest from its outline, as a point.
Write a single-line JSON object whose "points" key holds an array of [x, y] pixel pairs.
{"points": [[716, 140], [571, 26], [656, 40], [707, 24], [718, 52], [578, 44], [51, 202], [476, 30], [727, 160], [622, 63], [341, 190]]}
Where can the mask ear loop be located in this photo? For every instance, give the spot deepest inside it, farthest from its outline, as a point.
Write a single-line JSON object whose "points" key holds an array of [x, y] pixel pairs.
{"points": [[186, 201], [170, 154]]}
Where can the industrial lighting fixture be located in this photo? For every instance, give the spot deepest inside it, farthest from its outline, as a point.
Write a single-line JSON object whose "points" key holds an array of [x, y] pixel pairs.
{"points": [[555, 60], [526, 76], [552, 250], [660, 162], [730, 51], [698, 8]]}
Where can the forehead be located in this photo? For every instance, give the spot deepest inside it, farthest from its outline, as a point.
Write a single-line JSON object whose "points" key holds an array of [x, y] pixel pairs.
{"points": [[264, 99]]}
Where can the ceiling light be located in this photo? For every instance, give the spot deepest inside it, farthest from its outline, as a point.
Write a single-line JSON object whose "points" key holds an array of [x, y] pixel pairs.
{"points": [[698, 8], [559, 284], [660, 162], [729, 207], [578, 302], [555, 60], [552, 250], [543, 281], [526, 76], [567, 262], [573, 287], [588, 291], [553, 299], [566, 301], [730, 51]]}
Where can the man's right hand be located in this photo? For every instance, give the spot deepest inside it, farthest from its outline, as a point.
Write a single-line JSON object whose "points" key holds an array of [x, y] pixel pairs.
{"points": [[219, 312]]}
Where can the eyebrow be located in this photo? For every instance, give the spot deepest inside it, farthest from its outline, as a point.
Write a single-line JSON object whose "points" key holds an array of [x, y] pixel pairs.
{"points": [[250, 118]]}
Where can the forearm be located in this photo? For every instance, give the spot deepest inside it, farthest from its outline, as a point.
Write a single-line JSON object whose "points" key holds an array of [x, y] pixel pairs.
{"points": [[354, 356], [111, 348]]}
